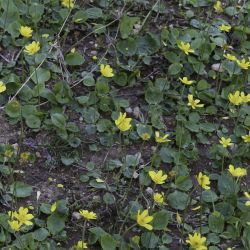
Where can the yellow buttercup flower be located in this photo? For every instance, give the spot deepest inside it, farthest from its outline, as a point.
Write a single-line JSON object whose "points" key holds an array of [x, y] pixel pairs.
{"points": [[185, 47], [46, 36], [158, 177], [230, 57], [14, 225], [2, 87], [237, 172], [244, 98], [235, 98], [80, 245], [8, 153], [243, 64], [32, 48], [159, 198], [225, 142], [225, 28], [178, 218], [145, 136], [246, 138], [23, 216], [68, 3], [161, 139], [88, 214], [186, 81], [26, 31], [194, 103], [197, 242], [106, 70], [218, 7], [203, 181], [122, 122], [247, 195], [25, 156], [59, 185], [143, 219], [53, 207]]}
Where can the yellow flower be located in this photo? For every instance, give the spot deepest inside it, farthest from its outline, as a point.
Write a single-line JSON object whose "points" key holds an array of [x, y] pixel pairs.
{"points": [[237, 172], [94, 58], [122, 122], [136, 239], [23, 216], [159, 198], [243, 63], [26, 31], [68, 3], [245, 98], [80, 245], [225, 142], [46, 36], [196, 208], [196, 241], [230, 57], [73, 50], [32, 48], [186, 81], [247, 195], [53, 207], [2, 87], [158, 177], [14, 225], [194, 103], [178, 218], [203, 181], [185, 47], [218, 7], [88, 214], [246, 138], [25, 156], [145, 136], [235, 98], [225, 28], [60, 185], [143, 219], [161, 139], [106, 70], [8, 153]]}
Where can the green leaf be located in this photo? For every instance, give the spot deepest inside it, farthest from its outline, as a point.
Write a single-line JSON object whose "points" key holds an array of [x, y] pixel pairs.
{"points": [[55, 223], [209, 196], [148, 45], [108, 242], [175, 68], [41, 234], [91, 115], [58, 120], [153, 95], [183, 137], [74, 59], [93, 13], [13, 109], [178, 200], [109, 198], [161, 219], [149, 240], [126, 25], [227, 185], [33, 121], [127, 47], [36, 11], [216, 222], [20, 189], [40, 75]]}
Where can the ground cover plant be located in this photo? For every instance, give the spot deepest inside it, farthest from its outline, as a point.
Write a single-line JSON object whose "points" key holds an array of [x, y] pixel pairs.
{"points": [[124, 124]]}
